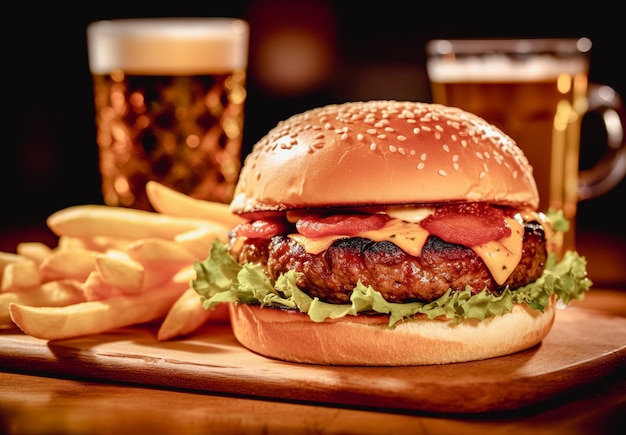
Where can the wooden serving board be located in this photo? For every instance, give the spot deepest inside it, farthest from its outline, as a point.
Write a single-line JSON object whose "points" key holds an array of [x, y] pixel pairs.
{"points": [[582, 347]]}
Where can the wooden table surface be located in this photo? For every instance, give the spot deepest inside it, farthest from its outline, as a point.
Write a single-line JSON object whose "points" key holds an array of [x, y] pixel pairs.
{"points": [[33, 404], [36, 404]]}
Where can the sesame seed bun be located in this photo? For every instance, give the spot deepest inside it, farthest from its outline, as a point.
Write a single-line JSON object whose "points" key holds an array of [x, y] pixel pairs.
{"points": [[317, 159]]}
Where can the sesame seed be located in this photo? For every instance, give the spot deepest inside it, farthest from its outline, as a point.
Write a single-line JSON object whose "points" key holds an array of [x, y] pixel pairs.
{"points": [[423, 157], [359, 136], [456, 166], [446, 148], [401, 138], [421, 165], [389, 129], [442, 172], [479, 155], [416, 130], [371, 131], [438, 135], [381, 136], [372, 146], [392, 148], [426, 128], [319, 136]]}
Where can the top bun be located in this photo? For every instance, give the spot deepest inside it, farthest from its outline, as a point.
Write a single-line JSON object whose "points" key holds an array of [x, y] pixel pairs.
{"points": [[383, 153]]}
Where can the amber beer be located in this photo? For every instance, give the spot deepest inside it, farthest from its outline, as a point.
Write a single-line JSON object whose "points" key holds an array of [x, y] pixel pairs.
{"points": [[538, 99], [169, 105]]}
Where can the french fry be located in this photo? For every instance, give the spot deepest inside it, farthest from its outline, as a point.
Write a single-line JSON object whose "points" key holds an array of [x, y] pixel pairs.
{"points": [[119, 270], [51, 294], [199, 241], [67, 263], [95, 317], [8, 258], [158, 273], [97, 289], [173, 203], [20, 276], [153, 252], [93, 243], [187, 315], [118, 222], [36, 251]]}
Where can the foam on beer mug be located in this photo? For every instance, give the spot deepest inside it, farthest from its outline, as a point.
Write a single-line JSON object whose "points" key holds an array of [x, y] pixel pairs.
{"points": [[500, 68], [168, 46], [510, 61]]}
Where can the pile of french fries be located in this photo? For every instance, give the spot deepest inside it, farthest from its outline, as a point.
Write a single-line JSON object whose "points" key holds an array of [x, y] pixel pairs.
{"points": [[114, 267]]}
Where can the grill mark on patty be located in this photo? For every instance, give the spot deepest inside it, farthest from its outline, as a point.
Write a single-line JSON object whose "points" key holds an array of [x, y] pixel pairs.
{"points": [[398, 276]]}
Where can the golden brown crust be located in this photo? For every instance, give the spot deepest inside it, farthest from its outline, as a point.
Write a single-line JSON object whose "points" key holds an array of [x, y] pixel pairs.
{"points": [[363, 341], [383, 152]]}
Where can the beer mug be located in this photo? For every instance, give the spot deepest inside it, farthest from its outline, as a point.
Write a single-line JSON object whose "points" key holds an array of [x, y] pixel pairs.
{"points": [[537, 91], [169, 97]]}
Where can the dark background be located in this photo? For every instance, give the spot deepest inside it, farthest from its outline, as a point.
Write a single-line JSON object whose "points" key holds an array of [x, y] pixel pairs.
{"points": [[303, 54]]}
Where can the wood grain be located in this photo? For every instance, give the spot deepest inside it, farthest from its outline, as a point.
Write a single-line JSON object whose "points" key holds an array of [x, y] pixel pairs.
{"points": [[583, 347]]}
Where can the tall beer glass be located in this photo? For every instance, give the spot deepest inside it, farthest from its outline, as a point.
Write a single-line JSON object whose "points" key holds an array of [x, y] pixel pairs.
{"points": [[169, 101]]}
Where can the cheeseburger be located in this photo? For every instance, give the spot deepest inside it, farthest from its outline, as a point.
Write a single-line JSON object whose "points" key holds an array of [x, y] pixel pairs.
{"points": [[388, 233]]}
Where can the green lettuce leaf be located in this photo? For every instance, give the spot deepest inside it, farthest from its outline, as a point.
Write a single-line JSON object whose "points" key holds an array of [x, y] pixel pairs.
{"points": [[220, 279]]}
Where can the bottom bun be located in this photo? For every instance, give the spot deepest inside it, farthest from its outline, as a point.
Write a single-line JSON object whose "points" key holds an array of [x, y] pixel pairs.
{"points": [[367, 341]]}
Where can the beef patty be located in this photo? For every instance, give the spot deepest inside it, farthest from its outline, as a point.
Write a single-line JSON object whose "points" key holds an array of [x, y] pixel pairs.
{"points": [[398, 276]]}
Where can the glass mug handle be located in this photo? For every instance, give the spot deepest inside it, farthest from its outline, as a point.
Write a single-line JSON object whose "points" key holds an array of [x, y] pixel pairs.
{"points": [[611, 168]]}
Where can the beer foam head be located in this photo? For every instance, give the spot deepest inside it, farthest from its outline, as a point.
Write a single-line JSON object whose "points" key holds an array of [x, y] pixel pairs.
{"points": [[168, 46], [506, 60], [502, 69]]}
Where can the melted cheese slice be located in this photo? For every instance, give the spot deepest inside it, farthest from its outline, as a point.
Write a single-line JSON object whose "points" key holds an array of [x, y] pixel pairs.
{"points": [[409, 237], [500, 256]]}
